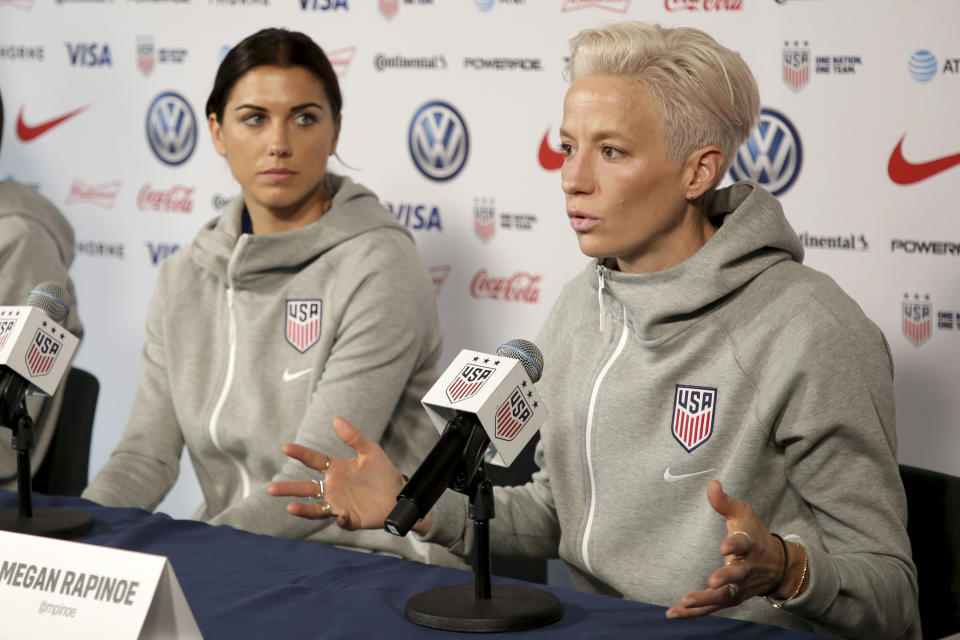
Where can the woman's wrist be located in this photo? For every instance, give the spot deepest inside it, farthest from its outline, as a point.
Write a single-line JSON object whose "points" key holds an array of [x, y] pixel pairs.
{"points": [[797, 577]]}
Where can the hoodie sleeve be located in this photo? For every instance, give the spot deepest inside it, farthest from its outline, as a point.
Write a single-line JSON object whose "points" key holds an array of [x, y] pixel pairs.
{"points": [[387, 340], [144, 465], [830, 400], [29, 255]]}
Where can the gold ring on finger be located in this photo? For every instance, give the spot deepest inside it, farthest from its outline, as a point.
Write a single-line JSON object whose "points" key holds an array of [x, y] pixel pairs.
{"points": [[326, 508]]}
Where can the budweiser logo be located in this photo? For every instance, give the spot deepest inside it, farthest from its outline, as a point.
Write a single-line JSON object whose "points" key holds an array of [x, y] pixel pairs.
{"points": [[176, 199], [618, 6], [340, 60], [520, 287], [102, 195], [439, 275], [703, 5]]}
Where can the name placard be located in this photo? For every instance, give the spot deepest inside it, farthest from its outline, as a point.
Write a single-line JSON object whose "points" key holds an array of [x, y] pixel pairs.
{"points": [[55, 589]]}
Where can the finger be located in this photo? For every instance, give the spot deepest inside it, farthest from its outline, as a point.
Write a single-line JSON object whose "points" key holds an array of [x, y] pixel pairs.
{"points": [[690, 612], [703, 602], [295, 488], [735, 572], [310, 457], [351, 436], [737, 543], [310, 510]]}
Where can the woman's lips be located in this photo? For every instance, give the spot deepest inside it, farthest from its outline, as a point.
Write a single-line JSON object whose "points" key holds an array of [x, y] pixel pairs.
{"points": [[581, 221], [279, 175]]}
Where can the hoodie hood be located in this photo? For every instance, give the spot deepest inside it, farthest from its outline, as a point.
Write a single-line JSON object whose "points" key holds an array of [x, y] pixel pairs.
{"points": [[353, 211], [753, 235], [18, 199]]}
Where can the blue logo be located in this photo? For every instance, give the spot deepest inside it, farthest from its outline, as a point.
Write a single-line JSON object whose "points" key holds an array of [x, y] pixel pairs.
{"points": [[323, 5], [89, 54], [923, 65], [416, 216], [772, 155], [161, 251], [484, 5], [439, 142], [171, 128]]}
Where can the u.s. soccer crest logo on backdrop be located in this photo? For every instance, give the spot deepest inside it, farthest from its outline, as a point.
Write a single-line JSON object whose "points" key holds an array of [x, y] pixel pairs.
{"points": [[796, 65], [389, 8], [512, 415], [484, 218], [470, 379], [917, 319], [302, 325], [145, 54], [693, 414], [42, 353]]}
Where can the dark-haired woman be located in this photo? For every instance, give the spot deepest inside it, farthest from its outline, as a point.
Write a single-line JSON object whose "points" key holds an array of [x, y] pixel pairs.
{"points": [[303, 301]]}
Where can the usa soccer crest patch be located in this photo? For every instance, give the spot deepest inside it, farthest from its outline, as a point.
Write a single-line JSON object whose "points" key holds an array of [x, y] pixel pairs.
{"points": [[693, 415], [468, 382], [42, 353], [302, 323], [512, 415]]}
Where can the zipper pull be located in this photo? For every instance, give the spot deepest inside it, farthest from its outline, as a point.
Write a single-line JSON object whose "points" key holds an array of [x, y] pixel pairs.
{"points": [[601, 283]]}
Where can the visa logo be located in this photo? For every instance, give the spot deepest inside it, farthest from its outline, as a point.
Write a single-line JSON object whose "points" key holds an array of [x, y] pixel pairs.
{"points": [[161, 251], [323, 5], [89, 54]]}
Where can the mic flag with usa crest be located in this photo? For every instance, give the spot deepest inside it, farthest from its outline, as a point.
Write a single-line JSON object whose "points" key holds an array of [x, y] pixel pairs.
{"points": [[693, 414]]}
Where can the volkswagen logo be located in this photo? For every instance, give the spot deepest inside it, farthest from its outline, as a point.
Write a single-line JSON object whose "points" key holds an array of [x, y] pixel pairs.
{"points": [[439, 142], [171, 128], [923, 65], [772, 155]]}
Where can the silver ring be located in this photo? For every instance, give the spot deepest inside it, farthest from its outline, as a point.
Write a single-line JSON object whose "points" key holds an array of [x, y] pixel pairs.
{"points": [[320, 491], [734, 590]]}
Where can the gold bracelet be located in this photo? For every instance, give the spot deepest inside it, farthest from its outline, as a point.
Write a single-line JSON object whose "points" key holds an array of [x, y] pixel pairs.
{"points": [[803, 578]]}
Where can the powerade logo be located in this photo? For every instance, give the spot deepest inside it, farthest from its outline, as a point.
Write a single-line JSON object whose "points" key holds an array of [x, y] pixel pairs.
{"points": [[171, 128], [438, 140], [772, 155], [923, 65]]}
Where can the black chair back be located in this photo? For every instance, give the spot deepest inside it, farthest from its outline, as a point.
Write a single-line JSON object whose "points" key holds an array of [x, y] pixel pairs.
{"points": [[933, 524], [64, 470]]}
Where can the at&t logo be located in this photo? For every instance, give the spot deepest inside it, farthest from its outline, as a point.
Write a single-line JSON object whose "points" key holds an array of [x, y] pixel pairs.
{"points": [[923, 65], [772, 155], [439, 141], [171, 128]]}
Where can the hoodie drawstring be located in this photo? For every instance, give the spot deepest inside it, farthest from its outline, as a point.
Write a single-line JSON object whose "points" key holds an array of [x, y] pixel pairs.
{"points": [[601, 283]]}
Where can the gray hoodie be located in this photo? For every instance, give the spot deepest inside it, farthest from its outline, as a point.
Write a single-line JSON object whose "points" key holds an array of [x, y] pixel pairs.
{"points": [[741, 365], [36, 245], [258, 340]]}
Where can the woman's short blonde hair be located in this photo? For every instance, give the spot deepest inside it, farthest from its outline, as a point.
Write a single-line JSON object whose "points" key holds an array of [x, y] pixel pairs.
{"points": [[705, 92]]}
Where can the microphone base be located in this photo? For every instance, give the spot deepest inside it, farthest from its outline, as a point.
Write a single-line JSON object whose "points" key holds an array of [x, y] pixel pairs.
{"points": [[511, 608], [50, 522]]}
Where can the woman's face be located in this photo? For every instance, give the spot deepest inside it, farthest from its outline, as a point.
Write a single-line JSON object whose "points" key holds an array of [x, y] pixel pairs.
{"points": [[277, 132], [625, 198]]}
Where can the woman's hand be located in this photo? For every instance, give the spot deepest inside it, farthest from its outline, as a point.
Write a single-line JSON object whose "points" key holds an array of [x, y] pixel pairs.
{"points": [[752, 561], [360, 492]]}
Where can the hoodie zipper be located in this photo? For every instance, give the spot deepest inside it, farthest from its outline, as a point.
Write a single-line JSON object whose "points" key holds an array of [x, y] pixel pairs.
{"points": [[590, 413], [228, 376], [601, 284]]}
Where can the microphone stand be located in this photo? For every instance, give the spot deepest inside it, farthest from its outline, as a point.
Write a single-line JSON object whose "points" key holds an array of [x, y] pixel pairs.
{"points": [[485, 608], [52, 522]]}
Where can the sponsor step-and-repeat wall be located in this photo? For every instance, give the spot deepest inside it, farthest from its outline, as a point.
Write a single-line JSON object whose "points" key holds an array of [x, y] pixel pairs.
{"points": [[451, 115]]}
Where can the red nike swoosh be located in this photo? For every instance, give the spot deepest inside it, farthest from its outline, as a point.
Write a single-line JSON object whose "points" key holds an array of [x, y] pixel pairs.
{"points": [[549, 158], [903, 172], [28, 133]]}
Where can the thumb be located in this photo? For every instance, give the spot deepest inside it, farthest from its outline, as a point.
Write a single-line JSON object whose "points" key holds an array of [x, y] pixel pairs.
{"points": [[351, 436], [727, 506]]}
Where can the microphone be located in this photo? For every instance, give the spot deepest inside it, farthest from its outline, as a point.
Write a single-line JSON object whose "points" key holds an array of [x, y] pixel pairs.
{"points": [[35, 353], [35, 350], [479, 398]]}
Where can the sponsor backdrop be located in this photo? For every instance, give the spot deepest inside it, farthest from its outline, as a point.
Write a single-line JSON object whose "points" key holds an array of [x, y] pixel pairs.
{"points": [[451, 114]]}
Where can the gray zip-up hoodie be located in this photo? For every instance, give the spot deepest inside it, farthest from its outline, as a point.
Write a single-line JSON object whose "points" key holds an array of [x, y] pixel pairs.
{"points": [[741, 365], [258, 340], [36, 245]]}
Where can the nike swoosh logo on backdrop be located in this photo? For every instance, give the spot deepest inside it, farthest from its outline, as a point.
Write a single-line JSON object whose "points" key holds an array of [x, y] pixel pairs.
{"points": [[550, 158], [289, 377], [904, 172], [669, 477], [27, 133]]}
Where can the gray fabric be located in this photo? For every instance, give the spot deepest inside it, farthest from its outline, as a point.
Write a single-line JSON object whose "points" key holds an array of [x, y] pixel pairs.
{"points": [[379, 341], [36, 245], [804, 431]]}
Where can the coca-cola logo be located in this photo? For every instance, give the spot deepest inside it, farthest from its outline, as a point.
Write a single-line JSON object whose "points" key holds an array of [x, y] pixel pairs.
{"points": [[176, 199], [520, 287], [703, 5], [103, 195]]}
